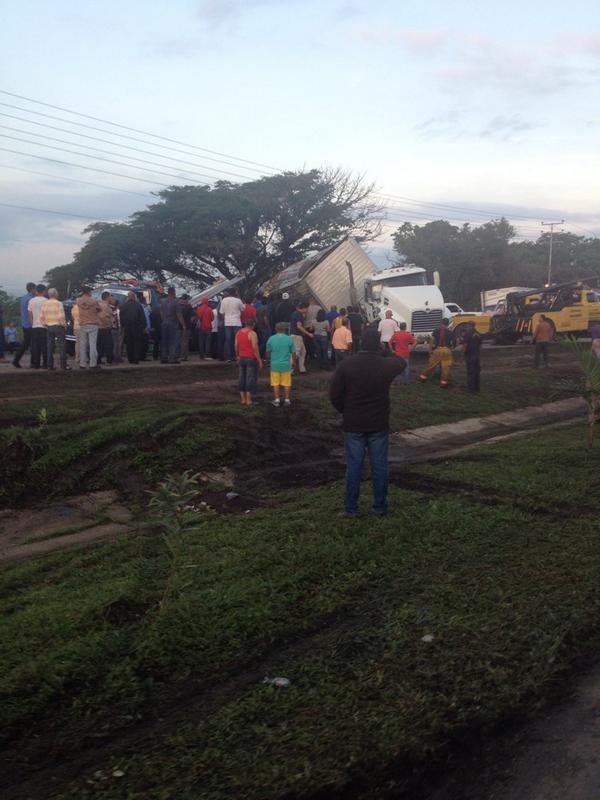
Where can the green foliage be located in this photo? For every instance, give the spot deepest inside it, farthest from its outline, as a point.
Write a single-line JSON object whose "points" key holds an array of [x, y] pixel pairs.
{"points": [[200, 233], [473, 258], [10, 308], [509, 594], [589, 388], [171, 507]]}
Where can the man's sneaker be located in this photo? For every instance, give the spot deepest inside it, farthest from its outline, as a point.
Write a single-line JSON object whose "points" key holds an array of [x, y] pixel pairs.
{"points": [[17, 365], [276, 403], [287, 402], [422, 378], [444, 384]]}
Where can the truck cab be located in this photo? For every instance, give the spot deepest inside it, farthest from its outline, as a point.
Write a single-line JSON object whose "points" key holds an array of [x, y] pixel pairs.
{"points": [[406, 292]]}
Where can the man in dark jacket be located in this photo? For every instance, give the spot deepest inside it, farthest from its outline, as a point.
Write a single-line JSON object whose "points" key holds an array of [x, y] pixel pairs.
{"points": [[133, 322], [471, 347], [360, 390]]}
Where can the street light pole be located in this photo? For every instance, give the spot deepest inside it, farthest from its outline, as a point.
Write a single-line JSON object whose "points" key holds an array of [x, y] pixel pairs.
{"points": [[551, 226]]}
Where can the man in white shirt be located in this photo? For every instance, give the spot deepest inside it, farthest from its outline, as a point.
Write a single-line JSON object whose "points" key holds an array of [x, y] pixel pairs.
{"points": [[39, 349], [387, 328], [231, 310]]}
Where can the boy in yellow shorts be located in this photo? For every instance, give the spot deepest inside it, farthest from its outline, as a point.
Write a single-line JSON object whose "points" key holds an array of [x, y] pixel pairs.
{"points": [[282, 354]]}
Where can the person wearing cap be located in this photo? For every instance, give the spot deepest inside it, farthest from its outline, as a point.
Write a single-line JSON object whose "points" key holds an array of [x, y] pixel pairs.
{"points": [[360, 390], [387, 328], [284, 311]]}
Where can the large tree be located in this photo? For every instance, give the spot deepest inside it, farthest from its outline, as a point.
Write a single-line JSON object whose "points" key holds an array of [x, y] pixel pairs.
{"points": [[200, 233]]}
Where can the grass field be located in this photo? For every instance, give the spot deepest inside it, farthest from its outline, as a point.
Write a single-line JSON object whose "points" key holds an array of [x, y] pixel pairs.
{"points": [[404, 638]]}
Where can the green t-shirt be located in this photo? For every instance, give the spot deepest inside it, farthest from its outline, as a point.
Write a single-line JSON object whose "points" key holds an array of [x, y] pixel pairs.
{"points": [[281, 347]]}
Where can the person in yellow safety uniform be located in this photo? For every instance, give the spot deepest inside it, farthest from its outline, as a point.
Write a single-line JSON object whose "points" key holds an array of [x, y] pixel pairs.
{"points": [[440, 353]]}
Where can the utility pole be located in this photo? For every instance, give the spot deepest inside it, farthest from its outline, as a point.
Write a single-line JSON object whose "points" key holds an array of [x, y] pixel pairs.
{"points": [[551, 226]]}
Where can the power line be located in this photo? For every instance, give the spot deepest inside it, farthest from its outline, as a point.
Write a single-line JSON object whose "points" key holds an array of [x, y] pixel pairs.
{"points": [[117, 144], [101, 158], [74, 180], [50, 211], [120, 136], [487, 213], [136, 130], [82, 166]]}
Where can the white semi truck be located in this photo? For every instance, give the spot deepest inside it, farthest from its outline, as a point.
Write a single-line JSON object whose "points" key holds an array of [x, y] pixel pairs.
{"points": [[344, 275]]}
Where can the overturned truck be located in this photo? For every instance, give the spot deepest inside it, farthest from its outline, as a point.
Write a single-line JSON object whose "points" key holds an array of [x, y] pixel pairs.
{"points": [[344, 275]]}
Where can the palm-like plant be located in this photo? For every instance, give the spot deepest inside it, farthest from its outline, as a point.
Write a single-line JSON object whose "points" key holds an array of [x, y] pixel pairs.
{"points": [[589, 389]]}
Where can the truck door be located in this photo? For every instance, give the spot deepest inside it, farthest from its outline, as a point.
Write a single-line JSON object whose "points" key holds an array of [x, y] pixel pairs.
{"points": [[575, 316]]}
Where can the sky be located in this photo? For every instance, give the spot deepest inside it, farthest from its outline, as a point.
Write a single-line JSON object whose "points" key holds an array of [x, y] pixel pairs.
{"points": [[487, 108]]}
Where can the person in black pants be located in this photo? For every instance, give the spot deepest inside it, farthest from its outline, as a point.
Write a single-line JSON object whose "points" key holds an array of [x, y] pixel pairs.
{"points": [[133, 322], [471, 348]]}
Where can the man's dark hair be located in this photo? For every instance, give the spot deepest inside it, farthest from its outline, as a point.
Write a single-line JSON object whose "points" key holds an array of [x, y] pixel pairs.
{"points": [[248, 300], [30, 286], [371, 341], [301, 304], [40, 288], [446, 321], [403, 326], [184, 297], [171, 291], [321, 315], [105, 295], [342, 311], [350, 309], [85, 290]]}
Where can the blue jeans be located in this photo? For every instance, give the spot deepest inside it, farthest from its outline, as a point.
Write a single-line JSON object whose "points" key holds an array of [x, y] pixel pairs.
{"points": [[322, 350], [169, 342], [248, 375], [230, 334], [356, 445]]}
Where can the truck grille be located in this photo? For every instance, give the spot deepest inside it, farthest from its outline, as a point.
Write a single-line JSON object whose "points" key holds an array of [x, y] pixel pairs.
{"points": [[424, 322]]}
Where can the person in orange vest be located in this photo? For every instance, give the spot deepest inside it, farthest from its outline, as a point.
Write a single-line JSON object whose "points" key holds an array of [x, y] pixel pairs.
{"points": [[542, 336], [440, 353]]}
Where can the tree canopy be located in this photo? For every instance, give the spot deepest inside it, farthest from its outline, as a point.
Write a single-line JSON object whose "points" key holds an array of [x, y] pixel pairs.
{"points": [[473, 258], [201, 233]]}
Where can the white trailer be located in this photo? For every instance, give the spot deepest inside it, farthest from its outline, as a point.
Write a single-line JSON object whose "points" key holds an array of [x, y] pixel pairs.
{"points": [[344, 275]]}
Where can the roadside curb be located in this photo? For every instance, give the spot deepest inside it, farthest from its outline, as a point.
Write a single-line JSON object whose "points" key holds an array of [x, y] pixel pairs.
{"points": [[421, 444]]}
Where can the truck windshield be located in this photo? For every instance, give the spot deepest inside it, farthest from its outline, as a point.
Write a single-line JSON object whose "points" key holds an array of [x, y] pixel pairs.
{"points": [[416, 279]]}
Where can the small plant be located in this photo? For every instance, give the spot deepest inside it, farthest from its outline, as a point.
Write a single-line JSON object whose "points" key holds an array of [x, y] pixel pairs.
{"points": [[172, 505], [42, 417], [589, 388]]}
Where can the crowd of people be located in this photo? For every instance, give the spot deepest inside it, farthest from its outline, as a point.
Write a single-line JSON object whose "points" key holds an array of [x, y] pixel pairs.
{"points": [[368, 357]]}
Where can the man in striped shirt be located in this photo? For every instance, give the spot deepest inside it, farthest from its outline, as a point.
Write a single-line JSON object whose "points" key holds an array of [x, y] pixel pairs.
{"points": [[52, 316]]}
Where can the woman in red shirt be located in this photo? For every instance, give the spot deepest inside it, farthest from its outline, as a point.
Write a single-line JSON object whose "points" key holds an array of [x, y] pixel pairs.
{"points": [[249, 360]]}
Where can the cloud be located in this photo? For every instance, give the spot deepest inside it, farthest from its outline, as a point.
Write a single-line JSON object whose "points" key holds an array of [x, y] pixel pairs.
{"points": [[412, 40], [478, 62], [576, 44], [505, 127], [453, 125]]}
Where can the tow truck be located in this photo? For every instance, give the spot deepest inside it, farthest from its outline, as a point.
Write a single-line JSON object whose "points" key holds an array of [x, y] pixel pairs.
{"points": [[570, 308]]}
